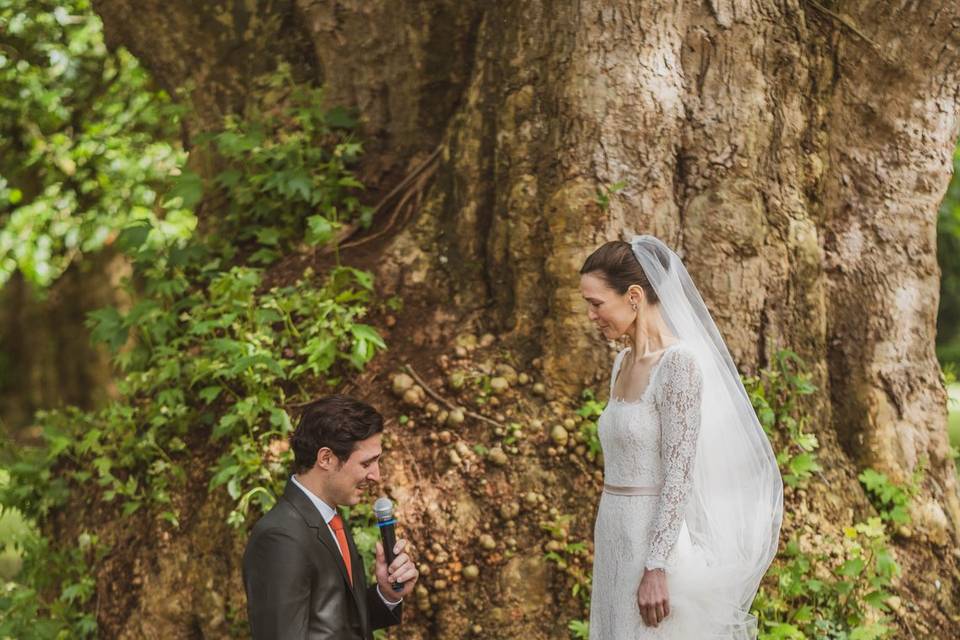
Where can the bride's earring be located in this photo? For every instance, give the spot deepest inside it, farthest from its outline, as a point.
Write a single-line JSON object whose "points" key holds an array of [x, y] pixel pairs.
{"points": [[633, 305]]}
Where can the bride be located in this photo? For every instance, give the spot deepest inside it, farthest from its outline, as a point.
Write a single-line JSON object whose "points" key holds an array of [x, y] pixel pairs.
{"points": [[692, 501]]}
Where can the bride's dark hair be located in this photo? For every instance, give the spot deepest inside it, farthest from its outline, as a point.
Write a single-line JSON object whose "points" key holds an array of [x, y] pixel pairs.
{"points": [[616, 264]]}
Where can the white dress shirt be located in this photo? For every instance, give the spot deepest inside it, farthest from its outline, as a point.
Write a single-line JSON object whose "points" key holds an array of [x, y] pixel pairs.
{"points": [[327, 512]]}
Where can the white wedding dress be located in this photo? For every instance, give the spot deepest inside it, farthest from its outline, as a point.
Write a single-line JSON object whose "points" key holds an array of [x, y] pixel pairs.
{"points": [[650, 442]]}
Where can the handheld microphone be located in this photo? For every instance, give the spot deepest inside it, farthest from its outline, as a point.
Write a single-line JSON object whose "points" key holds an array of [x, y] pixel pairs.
{"points": [[383, 510]]}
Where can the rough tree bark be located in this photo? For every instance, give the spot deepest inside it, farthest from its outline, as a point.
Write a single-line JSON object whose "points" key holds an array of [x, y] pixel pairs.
{"points": [[794, 152]]}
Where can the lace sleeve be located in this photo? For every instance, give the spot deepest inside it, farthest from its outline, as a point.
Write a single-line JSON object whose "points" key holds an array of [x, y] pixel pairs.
{"points": [[679, 403]]}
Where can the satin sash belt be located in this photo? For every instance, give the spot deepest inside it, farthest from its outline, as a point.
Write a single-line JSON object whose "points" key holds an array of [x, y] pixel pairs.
{"points": [[632, 491]]}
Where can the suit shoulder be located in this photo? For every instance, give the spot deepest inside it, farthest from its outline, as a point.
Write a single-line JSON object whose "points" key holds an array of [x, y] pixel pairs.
{"points": [[283, 520]]}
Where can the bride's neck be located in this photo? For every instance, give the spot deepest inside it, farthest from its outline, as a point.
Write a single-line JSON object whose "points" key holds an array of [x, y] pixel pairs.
{"points": [[649, 337]]}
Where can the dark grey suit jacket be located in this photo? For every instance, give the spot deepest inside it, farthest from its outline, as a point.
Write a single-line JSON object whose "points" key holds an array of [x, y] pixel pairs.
{"points": [[296, 581]]}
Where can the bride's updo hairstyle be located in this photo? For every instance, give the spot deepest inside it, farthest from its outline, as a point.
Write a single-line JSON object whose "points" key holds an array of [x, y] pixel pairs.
{"points": [[616, 264]]}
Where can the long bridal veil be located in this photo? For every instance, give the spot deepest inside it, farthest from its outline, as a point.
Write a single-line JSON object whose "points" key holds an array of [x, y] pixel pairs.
{"points": [[735, 507]]}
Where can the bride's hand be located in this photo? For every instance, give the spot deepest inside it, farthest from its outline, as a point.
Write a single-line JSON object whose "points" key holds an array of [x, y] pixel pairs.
{"points": [[652, 597]]}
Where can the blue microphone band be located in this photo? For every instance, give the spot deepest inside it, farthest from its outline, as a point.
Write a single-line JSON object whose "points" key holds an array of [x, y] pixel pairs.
{"points": [[386, 523]]}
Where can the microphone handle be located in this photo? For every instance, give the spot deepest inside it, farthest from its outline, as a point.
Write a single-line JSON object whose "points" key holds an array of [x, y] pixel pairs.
{"points": [[389, 537]]}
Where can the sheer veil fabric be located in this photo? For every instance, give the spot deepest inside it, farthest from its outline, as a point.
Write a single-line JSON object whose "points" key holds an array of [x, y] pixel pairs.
{"points": [[735, 505]]}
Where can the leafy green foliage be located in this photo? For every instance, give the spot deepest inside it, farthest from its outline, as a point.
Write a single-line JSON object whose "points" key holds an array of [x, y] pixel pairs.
{"points": [[562, 555], [572, 558], [775, 395], [86, 142], [890, 499], [606, 192], [839, 590], [833, 588], [14, 528], [26, 613], [590, 410], [61, 572], [579, 629], [287, 177], [248, 347], [247, 350]]}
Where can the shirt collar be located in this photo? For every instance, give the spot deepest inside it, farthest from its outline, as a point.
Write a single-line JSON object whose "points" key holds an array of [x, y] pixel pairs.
{"points": [[325, 510]]}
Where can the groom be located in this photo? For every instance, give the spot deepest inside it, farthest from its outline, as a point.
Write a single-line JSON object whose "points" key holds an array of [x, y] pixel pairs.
{"points": [[303, 576]]}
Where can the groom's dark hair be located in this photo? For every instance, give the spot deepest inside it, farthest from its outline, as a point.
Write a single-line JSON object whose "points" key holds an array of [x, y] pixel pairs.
{"points": [[619, 268], [337, 422]]}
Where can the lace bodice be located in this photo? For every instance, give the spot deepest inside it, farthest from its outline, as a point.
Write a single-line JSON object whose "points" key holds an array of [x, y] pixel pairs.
{"points": [[652, 441]]}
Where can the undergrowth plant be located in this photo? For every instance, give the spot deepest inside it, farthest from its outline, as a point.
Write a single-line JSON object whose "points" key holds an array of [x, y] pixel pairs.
{"points": [[287, 179], [776, 395], [890, 499], [571, 557], [821, 585], [589, 410]]}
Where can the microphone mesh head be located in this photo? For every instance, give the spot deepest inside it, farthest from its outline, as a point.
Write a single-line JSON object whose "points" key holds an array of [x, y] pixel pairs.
{"points": [[383, 508]]}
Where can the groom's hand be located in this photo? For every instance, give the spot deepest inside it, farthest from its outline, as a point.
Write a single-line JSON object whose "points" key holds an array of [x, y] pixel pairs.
{"points": [[401, 570]]}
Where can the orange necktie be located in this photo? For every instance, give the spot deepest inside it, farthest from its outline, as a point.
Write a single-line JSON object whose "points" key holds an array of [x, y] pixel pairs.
{"points": [[336, 523]]}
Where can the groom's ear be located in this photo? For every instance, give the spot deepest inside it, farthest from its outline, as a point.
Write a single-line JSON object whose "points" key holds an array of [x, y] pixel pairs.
{"points": [[327, 460]]}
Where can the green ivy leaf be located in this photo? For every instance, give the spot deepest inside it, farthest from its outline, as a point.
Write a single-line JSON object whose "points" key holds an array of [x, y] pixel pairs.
{"points": [[869, 632], [209, 394], [298, 182], [851, 568], [319, 230], [188, 186], [107, 326], [131, 238], [803, 465]]}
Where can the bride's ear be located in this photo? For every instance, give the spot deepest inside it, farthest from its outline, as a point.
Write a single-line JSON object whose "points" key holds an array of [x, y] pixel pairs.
{"points": [[635, 295]]}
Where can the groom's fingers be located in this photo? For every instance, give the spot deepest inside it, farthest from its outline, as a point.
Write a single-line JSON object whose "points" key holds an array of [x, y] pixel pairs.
{"points": [[405, 574], [399, 561], [380, 555], [400, 567]]}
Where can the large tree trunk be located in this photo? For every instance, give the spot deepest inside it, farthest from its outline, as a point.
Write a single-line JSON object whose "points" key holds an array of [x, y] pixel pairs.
{"points": [[46, 358], [793, 152]]}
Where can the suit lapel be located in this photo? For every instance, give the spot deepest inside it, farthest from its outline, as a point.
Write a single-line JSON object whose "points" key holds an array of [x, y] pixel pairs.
{"points": [[314, 519]]}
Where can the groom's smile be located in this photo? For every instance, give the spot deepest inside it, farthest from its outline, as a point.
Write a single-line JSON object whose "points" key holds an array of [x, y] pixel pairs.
{"points": [[360, 471]]}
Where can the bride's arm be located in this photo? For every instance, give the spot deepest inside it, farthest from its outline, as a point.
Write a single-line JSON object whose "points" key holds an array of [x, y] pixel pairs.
{"points": [[680, 391]]}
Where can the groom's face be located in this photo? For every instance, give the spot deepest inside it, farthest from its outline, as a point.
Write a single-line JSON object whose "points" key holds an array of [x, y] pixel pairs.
{"points": [[349, 481]]}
